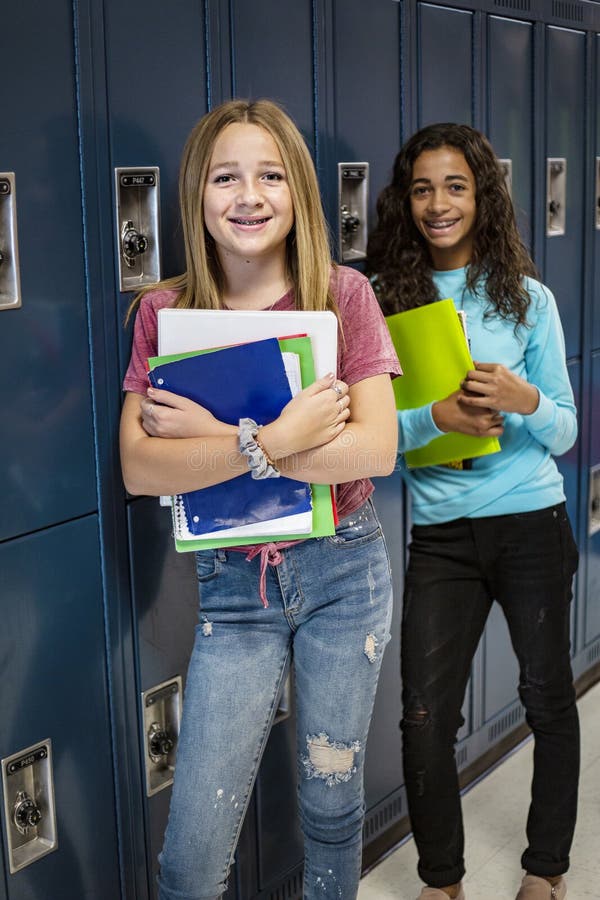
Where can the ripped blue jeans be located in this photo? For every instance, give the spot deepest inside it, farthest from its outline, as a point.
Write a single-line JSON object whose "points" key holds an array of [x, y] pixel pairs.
{"points": [[330, 605]]}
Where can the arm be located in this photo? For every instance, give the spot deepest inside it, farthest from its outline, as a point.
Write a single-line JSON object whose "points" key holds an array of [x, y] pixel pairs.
{"points": [[171, 445], [170, 465], [365, 447], [417, 427], [545, 398]]}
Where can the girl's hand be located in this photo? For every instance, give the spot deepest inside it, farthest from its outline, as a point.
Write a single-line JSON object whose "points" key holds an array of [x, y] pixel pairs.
{"points": [[165, 414], [312, 418], [451, 415], [496, 387]]}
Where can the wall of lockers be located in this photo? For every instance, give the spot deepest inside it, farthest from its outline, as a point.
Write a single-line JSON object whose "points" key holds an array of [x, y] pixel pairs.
{"points": [[97, 610]]}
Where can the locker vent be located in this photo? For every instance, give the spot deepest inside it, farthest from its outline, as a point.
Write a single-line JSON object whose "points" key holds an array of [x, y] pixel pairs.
{"points": [[290, 890], [523, 5], [461, 757], [382, 818], [593, 653], [506, 723], [567, 9]]}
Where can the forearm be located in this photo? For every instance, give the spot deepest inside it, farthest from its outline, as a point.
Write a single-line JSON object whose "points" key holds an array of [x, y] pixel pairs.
{"points": [[553, 425], [156, 466], [358, 452], [416, 428]]}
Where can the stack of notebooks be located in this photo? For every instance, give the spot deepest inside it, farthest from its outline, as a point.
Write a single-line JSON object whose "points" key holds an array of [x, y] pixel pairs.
{"points": [[254, 380], [432, 345]]}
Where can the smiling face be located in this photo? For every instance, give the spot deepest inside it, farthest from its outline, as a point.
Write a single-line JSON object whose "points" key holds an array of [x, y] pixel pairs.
{"points": [[248, 207], [443, 207]]}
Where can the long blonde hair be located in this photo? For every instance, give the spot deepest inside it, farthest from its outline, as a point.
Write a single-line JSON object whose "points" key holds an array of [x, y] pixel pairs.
{"points": [[308, 256]]}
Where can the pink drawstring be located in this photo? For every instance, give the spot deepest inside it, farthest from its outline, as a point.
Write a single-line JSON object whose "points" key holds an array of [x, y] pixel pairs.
{"points": [[269, 555]]}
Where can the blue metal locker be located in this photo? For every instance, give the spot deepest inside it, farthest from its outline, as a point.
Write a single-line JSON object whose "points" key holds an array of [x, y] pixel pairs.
{"points": [[48, 461], [592, 605], [56, 689], [565, 139], [509, 104], [278, 61], [445, 69], [596, 284]]}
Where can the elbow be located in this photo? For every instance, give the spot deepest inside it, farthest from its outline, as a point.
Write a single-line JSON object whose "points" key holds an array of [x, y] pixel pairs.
{"points": [[388, 464], [133, 479], [386, 458], [132, 486]]}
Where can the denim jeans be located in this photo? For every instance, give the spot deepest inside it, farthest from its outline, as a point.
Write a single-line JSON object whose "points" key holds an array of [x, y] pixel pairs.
{"points": [[329, 603], [456, 570]]}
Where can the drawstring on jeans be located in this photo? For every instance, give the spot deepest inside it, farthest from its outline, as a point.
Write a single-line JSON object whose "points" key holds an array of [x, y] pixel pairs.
{"points": [[269, 555]]}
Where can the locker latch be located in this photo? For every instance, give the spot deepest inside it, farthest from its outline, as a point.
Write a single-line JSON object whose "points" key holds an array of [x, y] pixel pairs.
{"points": [[10, 281], [30, 815], [556, 196], [137, 218], [162, 716], [353, 188]]}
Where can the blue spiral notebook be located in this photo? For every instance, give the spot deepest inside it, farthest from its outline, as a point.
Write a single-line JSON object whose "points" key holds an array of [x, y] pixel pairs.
{"points": [[247, 380]]}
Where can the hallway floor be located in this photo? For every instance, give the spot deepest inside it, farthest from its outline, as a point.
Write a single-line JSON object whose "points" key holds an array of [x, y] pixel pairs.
{"points": [[494, 812]]}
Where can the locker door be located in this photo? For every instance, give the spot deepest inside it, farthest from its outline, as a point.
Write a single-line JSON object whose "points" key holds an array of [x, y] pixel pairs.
{"points": [[166, 612], [510, 109], [565, 66], [366, 50], [156, 76], [47, 471], [592, 605], [596, 292], [510, 128], [54, 669], [445, 66], [277, 60]]}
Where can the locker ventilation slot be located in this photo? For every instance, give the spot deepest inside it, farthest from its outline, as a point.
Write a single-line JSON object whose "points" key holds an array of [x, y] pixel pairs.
{"points": [[566, 9], [382, 817], [593, 653], [461, 757], [506, 723], [291, 890], [523, 5]]}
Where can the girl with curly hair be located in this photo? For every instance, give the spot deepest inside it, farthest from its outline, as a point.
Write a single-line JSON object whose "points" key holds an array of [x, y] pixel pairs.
{"points": [[494, 528]]}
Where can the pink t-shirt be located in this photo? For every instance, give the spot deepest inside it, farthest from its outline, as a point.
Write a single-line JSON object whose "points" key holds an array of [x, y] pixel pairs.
{"points": [[364, 350]]}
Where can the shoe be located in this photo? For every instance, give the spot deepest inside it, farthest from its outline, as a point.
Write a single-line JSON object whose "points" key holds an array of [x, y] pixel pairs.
{"points": [[430, 893], [534, 888]]}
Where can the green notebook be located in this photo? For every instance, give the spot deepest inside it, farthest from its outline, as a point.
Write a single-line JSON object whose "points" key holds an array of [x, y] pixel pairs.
{"points": [[323, 516], [435, 357]]}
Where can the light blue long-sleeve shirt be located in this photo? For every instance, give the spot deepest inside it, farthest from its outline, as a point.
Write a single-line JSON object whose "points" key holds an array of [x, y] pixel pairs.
{"points": [[523, 476]]}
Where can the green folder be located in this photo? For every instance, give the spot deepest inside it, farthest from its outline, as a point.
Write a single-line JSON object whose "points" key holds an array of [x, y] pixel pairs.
{"points": [[435, 357], [323, 521]]}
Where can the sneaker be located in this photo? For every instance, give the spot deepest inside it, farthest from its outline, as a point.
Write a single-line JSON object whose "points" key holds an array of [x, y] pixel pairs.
{"points": [[430, 893], [534, 888]]}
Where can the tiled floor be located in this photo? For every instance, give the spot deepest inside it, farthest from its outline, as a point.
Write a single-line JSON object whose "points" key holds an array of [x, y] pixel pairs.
{"points": [[494, 812]]}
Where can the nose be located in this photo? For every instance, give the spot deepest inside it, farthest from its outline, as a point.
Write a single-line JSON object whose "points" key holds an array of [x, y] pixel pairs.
{"points": [[249, 193], [438, 200]]}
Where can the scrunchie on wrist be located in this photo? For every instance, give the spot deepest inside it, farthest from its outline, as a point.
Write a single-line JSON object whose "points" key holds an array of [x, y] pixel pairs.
{"points": [[259, 464]]}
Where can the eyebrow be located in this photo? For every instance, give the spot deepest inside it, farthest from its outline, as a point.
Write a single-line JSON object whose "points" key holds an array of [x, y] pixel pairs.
{"points": [[232, 163], [447, 178]]}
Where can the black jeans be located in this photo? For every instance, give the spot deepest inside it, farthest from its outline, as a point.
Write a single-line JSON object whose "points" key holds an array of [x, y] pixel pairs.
{"points": [[456, 570]]}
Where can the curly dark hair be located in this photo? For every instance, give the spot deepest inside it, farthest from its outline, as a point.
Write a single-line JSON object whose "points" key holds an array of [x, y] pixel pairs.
{"points": [[398, 255]]}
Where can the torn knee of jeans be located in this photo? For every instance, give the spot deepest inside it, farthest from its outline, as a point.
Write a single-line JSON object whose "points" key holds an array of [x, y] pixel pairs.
{"points": [[416, 715], [206, 627], [331, 761], [371, 645]]}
